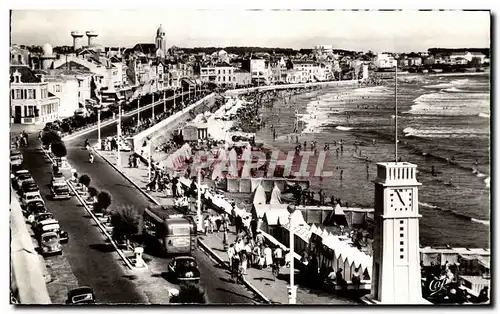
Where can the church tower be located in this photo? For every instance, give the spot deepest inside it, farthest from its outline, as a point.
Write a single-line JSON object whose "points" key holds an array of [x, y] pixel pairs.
{"points": [[161, 39], [396, 252]]}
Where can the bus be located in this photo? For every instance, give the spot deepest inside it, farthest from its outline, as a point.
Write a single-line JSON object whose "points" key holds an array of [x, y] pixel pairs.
{"points": [[174, 233]]}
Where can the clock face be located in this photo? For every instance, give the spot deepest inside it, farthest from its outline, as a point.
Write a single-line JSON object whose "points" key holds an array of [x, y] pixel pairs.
{"points": [[401, 199]]}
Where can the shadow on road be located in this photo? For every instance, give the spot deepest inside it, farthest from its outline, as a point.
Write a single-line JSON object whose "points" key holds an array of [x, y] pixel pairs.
{"points": [[101, 247], [255, 299]]}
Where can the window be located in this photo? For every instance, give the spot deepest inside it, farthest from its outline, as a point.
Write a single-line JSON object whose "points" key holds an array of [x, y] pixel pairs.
{"points": [[401, 235], [401, 222], [18, 94], [401, 229], [31, 94], [223, 78], [17, 79], [229, 78], [223, 71], [401, 242], [401, 256]]}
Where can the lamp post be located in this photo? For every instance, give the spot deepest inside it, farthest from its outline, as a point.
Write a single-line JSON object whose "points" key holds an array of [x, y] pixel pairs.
{"points": [[292, 289], [174, 96], [99, 125], [138, 110], [198, 207], [182, 94], [149, 159], [164, 102], [119, 135], [152, 102]]}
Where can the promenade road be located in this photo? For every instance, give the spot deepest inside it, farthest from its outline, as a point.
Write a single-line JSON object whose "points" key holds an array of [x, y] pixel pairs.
{"points": [[214, 278], [91, 260]]}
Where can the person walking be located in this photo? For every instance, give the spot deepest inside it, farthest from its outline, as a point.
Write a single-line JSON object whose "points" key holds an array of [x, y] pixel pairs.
{"points": [[268, 255], [230, 255]]}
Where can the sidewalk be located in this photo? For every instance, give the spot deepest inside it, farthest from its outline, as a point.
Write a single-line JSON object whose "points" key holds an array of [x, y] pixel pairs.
{"points": [[139, 175], [262, 280]]}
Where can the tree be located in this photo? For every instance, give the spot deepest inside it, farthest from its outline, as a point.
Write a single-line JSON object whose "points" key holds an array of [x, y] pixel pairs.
{"points": [[190, 293], [85, 181], [93, 193], [103, 202], [49, 137], [58, 149], [125, 222]]}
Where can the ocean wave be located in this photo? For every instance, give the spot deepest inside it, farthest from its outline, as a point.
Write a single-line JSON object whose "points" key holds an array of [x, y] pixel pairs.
{"points": [[451, 104], [343, 128], [446, 132], [455, 213], [453, 90]]}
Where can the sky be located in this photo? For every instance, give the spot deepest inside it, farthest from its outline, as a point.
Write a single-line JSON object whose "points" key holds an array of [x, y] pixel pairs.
{"points": [[379, 31]]}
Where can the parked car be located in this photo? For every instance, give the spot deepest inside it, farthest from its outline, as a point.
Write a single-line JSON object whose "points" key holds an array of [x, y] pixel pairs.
{"points": [[51, 225], [21, 176], [40, 217], [60, 191], [30, 197], [81, 295], [50, 243], [184, 268], [58, 179], [29, 186], [16, 158], [35, 208]]}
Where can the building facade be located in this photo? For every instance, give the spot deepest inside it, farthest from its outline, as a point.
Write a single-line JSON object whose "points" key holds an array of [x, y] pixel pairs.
{"points": [[31, 102], [242, 77], [259, 71], [67, 90]]}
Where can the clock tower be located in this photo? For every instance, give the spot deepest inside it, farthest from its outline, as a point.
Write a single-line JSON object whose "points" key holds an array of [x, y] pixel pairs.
{"points": [[396, 252]]}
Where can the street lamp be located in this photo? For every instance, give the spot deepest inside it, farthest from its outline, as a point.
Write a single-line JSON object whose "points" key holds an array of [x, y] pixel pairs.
{"points": [[99, 124], [149, 159], [164, 102], [198, 208], [152, 102], [138, 110], [292, 289], [119, 135]]}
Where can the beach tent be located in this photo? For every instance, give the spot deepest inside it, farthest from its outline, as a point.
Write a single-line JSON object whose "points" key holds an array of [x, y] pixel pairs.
{"points": [[275, 195], [247, 159], [259, 195], [270, 221], [255, 182], [339, 216], [313, 228], [178, 158]]}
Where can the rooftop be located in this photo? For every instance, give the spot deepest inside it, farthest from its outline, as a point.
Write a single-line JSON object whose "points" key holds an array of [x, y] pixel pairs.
{"points": [[27, 76]]}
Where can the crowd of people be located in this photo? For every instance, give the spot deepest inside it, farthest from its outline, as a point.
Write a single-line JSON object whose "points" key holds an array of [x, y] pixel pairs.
{"points": [[22, 140]]}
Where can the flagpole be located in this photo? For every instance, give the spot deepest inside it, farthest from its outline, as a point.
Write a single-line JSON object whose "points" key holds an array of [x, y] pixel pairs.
{"points": [[396, 116]]}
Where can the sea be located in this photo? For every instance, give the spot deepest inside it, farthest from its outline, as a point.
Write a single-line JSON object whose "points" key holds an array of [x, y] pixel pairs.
{"points": [[443, 122]]}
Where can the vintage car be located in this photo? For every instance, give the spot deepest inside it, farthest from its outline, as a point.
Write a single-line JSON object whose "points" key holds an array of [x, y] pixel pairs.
{"points": [[21, 176], [51, 225], [60, 191], [35, 208], [184, 268], [58, 179], [29, 186], [16, 158], [30, 197], [50, 243], [81, 295], [40, 217]]}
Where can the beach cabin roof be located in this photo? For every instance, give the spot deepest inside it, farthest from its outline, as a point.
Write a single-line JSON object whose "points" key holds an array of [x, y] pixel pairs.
{"points": [[313, 228], [303, 232], [261, 209], [272, 217], [259, 196], [275, 195]]}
